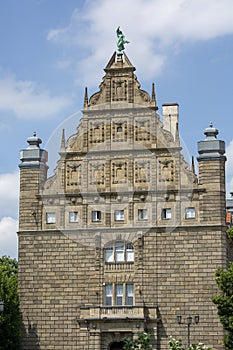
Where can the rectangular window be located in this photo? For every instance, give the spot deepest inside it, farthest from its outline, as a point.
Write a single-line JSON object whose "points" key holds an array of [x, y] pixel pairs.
{"points": [[109, 254], [119, 215], [142, 214], [108, 295], [50, 218], [129, 294], [73, 216], [189, 213], [119, 294], [166, 214], [96, 216], [129, 252], [119, 252]]}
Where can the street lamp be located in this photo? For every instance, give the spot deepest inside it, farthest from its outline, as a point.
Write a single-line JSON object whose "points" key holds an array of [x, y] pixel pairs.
{"points": [[1, 306], [189, 322]]}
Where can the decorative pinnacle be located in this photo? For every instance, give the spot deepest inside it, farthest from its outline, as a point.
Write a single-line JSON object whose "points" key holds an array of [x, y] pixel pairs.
{"points": [[85, 104], [63, 141], [211, 124]]}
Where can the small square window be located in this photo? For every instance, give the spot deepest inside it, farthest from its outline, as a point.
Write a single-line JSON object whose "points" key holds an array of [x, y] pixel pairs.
{"points": [[119, 215], [189, 213], [50, 218], [142, 214], [96, 216], [73, 216], [166, 214]]}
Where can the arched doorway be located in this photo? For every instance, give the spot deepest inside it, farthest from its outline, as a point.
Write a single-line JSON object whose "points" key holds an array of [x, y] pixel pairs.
{"points": [[117, 345]]}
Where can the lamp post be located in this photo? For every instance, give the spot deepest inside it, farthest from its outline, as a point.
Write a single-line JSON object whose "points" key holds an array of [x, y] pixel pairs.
{"points": [[189, 322]]}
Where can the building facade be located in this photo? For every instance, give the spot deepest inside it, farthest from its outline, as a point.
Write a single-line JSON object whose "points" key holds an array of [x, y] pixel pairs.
{"points": [[125, 236]]}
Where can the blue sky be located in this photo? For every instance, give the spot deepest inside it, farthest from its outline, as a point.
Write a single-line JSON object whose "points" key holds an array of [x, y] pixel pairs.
{"points": [[52, 49]]}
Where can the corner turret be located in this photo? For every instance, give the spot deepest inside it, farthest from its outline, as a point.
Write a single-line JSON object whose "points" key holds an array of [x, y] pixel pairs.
{"points": [[211, 161], [33, 173]]}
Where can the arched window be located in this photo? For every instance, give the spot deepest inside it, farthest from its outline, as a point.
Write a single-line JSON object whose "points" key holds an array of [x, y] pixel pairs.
{"points": [[119, 252]]}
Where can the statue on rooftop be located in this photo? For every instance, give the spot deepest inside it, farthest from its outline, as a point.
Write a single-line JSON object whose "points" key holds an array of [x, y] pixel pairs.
{"points": [[121, 40]]}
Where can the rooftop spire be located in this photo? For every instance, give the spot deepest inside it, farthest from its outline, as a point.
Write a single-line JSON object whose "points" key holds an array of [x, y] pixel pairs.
{"points": [[63, 142], [85, 103], [153, 97]]}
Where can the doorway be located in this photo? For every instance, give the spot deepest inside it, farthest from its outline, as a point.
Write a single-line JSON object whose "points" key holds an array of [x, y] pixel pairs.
{"points": [[117, 346]]}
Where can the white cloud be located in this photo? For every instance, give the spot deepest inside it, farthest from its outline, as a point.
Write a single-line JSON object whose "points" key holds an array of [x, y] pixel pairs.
{"points": [[9, 191], [26, 100], [8, 237], [155, 28]]}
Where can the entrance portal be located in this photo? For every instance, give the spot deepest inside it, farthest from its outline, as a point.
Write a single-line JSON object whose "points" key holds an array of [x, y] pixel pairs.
{"points": [[117, 346]]}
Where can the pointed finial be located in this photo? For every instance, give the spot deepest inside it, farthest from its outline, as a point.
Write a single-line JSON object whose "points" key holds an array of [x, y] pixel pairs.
{"points": [[153, 97], [193, 165], [153, 93], [34, 134], [63, 142], [177, 137], [85, 104], [211, 124]]}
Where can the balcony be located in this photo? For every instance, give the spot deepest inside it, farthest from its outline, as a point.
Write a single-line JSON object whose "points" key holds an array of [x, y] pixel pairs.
{"points": [[117, 313]]}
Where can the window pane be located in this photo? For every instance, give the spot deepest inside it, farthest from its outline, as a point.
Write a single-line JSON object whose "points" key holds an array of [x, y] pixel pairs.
{"points": [[108, 294], [50, 218], [129, 294], [166, 213], [142, 214], [96, 216], [190, 213], [109, 254], [119, 215], [119, 252], [129, 252], [73, 216], [119, 294]]}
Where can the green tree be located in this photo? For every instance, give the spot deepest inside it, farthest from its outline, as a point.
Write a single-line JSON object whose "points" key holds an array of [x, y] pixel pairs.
{"points": [[224, 302], [177, 345], [10, 317], [143, 342]]}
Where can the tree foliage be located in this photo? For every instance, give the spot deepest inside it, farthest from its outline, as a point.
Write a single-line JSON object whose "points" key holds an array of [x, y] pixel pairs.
{"points": [[175, 344], [10, 317], [224, 302], [143, 342]]}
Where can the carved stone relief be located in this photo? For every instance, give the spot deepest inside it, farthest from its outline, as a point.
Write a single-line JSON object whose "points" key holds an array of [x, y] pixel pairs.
{"points": [[73, 174], [166, 170], [142, 130], [141, 171], [119, 172], [119, 90], [96, 173], [96, 133]]}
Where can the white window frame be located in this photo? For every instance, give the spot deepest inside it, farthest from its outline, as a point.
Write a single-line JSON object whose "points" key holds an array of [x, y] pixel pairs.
{"points": [[166, 214], [190, 213], [96, 216], [119, 294], [50, 218], [119, 252], [108, 294], [119, 215], [129, 294], [142, 214], [73, 216]]}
